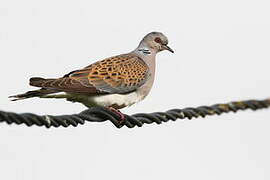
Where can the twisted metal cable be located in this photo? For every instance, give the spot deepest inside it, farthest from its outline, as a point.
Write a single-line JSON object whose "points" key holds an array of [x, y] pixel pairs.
{"points": [[99, 114]]}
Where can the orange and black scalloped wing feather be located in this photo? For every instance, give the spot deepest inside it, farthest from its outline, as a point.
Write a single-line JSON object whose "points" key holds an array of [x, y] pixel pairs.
{"points": [[118, 74], [63, 84]]}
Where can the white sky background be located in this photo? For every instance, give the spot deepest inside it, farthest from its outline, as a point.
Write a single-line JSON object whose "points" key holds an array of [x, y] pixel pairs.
{"points": [[221, 54]]}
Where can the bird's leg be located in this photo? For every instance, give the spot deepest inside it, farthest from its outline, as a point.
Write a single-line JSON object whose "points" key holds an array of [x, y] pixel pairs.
{"points": [[119, 113]]}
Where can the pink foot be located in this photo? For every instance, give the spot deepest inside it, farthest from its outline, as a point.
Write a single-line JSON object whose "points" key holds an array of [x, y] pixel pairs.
{"points": [[121, 115]]}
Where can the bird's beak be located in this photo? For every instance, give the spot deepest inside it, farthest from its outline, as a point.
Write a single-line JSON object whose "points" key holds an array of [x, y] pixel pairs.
{"points": [[165, 47]]}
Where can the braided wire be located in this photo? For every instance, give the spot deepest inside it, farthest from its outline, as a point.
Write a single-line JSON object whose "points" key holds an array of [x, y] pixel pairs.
{"points": [[99, 114]]}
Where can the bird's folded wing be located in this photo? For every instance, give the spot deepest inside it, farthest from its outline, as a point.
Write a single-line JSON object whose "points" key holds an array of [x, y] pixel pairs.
{"points": [[118, 74]]}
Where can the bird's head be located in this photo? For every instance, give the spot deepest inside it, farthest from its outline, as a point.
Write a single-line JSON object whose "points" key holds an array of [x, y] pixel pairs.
{"points": [[156, 41]]}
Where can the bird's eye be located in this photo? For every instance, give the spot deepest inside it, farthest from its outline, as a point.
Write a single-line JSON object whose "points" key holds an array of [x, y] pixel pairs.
{"points": [[157, 40]]}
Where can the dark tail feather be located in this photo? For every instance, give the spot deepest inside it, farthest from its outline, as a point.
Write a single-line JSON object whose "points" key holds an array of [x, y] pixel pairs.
{"points": [[30, 94], [37, 81]]}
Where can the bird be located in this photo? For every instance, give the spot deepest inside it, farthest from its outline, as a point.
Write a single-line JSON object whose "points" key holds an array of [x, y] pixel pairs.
{"points": [[115, 82]]}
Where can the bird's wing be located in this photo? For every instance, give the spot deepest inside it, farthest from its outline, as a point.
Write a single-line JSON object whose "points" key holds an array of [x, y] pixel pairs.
{"points": [[118, 74]]}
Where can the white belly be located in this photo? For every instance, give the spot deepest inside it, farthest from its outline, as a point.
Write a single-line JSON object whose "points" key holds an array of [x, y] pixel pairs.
{"points": [[117, 100]]}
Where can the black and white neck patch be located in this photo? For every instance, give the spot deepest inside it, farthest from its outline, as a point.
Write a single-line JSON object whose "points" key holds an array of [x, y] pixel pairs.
{"points": [[145, 51]]}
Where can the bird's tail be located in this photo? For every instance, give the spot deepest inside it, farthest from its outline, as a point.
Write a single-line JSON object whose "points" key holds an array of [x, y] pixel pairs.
{"points": [[39, 82], [30, 94]]}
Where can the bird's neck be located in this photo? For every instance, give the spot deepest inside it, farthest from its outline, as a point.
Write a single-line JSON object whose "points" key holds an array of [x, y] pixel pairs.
{"points": [[144, 50], [147, 54]]}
